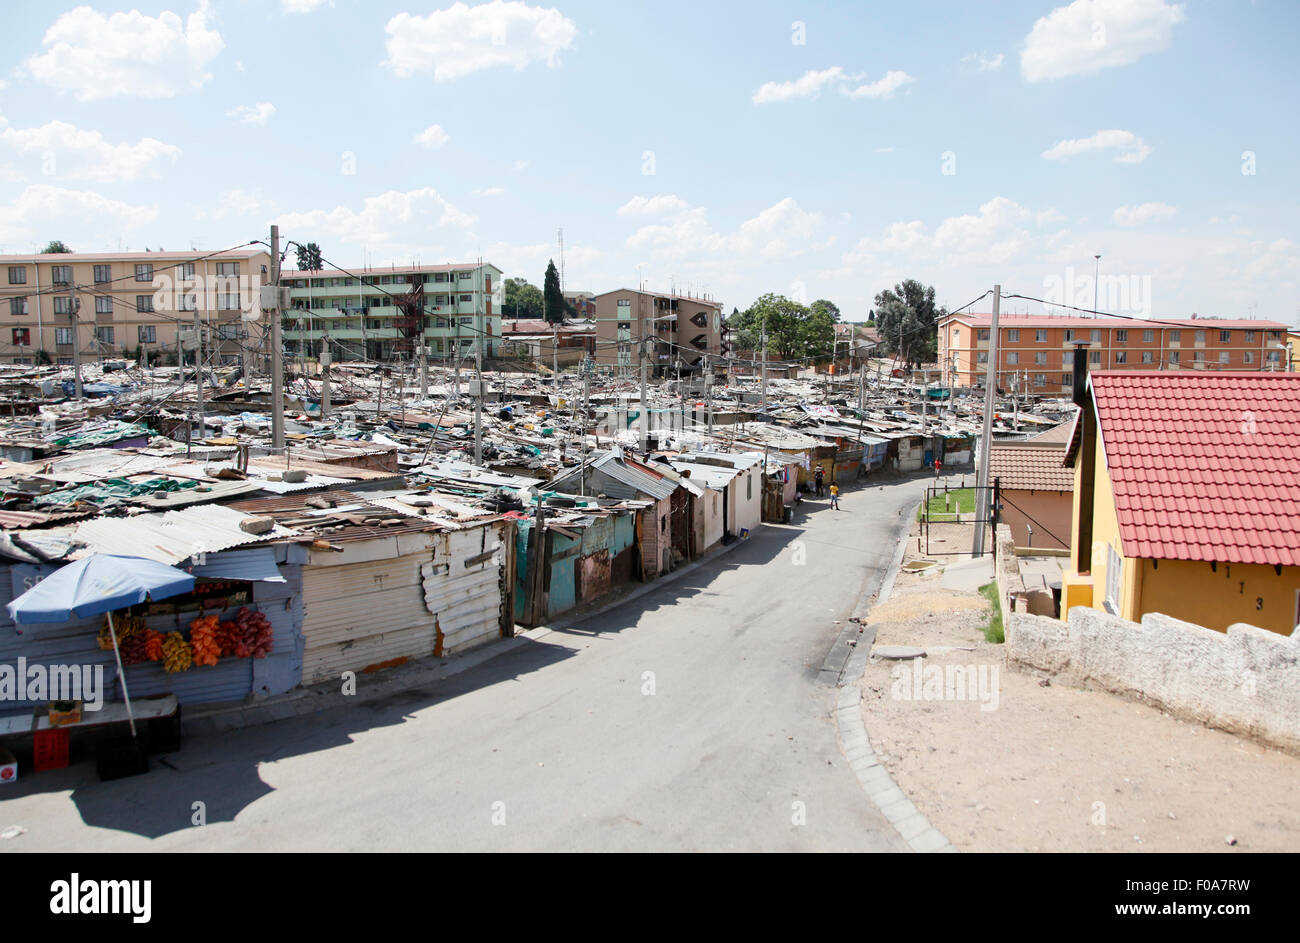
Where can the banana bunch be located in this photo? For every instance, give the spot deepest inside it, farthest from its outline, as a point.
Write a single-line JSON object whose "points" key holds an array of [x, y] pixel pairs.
{"points": [[177, 654], [125, 625]]}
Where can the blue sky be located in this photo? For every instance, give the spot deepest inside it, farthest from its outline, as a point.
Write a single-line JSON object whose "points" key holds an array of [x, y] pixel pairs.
{"points": [[815, 150]]}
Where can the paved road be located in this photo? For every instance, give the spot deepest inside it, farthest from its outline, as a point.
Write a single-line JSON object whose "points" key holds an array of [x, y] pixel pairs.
{"points": [[688, 719]]}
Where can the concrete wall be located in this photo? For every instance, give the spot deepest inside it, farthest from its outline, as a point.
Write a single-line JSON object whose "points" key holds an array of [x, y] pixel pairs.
{"points": [[1245, 681]]}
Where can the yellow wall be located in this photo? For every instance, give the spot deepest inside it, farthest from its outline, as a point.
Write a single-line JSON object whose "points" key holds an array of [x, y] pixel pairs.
{"points": [[1216, 598]]}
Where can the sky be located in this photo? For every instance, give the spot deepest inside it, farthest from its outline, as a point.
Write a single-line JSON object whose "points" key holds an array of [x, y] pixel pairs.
{"points": [[814, 150]]}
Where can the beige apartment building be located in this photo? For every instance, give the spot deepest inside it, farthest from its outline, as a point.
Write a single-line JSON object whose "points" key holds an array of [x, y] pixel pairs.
{"points": [[677, 326], [1036, 352], [108, 304]]}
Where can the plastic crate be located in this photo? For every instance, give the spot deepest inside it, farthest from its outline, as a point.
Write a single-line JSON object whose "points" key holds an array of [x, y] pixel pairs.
{"points": [[49, 749]]}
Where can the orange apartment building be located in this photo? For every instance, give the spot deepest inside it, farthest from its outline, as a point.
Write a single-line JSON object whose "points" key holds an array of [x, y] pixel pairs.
{"points": [[681, 327], [127, 300], [1036, 352]]}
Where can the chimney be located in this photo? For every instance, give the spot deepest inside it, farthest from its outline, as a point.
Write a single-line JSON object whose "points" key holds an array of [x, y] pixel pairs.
{"points": [[1080, 391]]}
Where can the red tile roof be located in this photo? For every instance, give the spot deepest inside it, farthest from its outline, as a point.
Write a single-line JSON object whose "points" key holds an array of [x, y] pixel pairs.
{"points": [[1205, 466], [1029, 466], [1106, 321]]}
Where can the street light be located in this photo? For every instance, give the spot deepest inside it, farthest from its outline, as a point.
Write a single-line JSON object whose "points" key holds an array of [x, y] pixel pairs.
{"points": [[1096, 282]]}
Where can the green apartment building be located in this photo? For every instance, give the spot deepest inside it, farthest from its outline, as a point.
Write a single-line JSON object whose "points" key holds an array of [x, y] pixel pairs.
{"points": [[376, 313]]}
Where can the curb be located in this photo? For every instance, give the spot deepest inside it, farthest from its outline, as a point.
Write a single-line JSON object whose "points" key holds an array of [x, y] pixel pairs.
{"points": [[204, 720], [910, 823]]}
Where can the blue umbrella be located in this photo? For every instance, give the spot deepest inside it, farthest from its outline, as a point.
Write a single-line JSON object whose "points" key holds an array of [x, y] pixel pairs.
{"points": [[99, 583]]}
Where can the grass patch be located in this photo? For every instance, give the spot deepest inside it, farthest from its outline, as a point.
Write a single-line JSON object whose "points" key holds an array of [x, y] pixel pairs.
{"points": [[993, 631], [944, 507]]}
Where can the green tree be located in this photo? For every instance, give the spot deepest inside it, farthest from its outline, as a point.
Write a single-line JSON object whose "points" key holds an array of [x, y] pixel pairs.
{"points": [[523, 299], [906, 319], [42, 357], [794, 331], [554, 308], [831, 309], [309, 259], [55, 246]]}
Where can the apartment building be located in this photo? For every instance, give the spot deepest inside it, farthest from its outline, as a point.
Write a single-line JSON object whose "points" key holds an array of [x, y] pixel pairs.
{"points": [[380, 313], [1036, 352], [128, 300], [678, 326]]}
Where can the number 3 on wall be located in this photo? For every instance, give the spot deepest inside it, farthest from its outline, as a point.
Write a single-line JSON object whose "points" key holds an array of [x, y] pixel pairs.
{"points": [[1259, 602]]}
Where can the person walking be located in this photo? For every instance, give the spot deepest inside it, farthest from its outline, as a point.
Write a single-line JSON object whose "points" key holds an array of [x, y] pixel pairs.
{"points": [[818, 477], [835, 497]]}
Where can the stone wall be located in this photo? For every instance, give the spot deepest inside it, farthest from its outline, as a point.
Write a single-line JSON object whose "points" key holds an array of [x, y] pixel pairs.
{"points": [[1245, 681]]}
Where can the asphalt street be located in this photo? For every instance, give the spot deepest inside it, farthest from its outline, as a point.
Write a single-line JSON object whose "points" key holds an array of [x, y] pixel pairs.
{"points": [[691, 718]]}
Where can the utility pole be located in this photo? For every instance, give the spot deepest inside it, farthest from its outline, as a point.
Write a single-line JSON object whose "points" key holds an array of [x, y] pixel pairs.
{"points": [[424, 362], [277, 355], [198, 365], [986, 437], [764, 356], [74, 307], [645, 405], [455, 355], [478, 406], [325, 379]]}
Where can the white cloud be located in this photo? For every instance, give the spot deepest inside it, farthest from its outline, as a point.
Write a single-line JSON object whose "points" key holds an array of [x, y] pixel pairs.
{"points": [[1090, 35], [302, 6], [232, 203], [812, 83], [460, 40], [84, 155], [652, 205], [489, 191], [432, 137], [984, 62], [782, 230], [380, 219], [41, 206], [809, 85], [1145, 213], [252, 114], [96, 56], [884, 150], [1132, 149], [520, 164], [882, 88]]}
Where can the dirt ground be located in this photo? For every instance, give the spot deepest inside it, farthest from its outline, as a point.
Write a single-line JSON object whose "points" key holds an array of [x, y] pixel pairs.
{"points": [[1052, 768]]}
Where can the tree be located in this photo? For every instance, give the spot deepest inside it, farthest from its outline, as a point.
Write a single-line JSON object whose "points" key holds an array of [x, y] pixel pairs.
{"points": [[55, 246], [309, 259], [831, 309], [906, 319], [523, 299], [554, 308], [794, 331]]}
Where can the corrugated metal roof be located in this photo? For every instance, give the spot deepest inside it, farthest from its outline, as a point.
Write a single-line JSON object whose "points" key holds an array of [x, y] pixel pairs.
{"points": [[635, 476], [172, 536], [255, 564]]}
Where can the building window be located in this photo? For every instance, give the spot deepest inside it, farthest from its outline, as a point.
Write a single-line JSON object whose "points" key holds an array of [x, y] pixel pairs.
{"points": [[1094, 357], [1148, 336], [104, 335], [144, 272], [1175, 337], [185, 271], [1250, 337], [226, 269], [1040, 337], [1069, 334], [228, 332], [1274, 356], [1040, 358], [1040, 379], [103, 304], [144, 302], [188, 302], [65, 361], [146, 334], [1067, 359], [1013, 357], [1121, 356], [1173, 356], [17, 275], [63, 305], [17, 305], [22, 336], [1249, 356], [1198, 356], [1200, 337], [1223, 356], [465, 276], [466, 297], [1013, 335], [984, 334], [1121, 337], [103, 273], [61, 274], [228, 301], [1066, 379], [63, 335], [1113, 570], [468, 320], [1096, 337], [1225, 336], [1147, 357], [982, 357]]}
